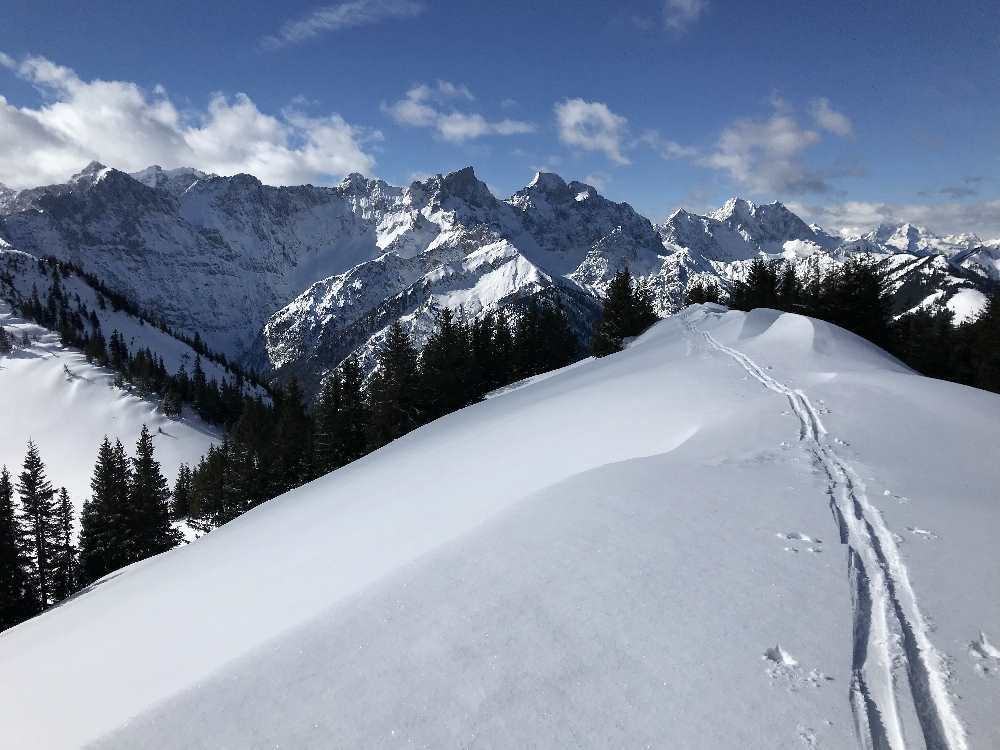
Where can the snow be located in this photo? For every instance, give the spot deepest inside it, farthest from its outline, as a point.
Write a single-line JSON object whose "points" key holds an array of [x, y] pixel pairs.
{"points": [[52, 395], [698, 542], [967, 304]]}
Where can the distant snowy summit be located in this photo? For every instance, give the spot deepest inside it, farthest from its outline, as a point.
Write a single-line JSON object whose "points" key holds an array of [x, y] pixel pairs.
{"points": [[290, 280]]}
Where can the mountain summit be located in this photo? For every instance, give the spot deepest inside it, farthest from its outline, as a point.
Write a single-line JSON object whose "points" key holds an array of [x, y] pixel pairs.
{"points": [[300, 277]]}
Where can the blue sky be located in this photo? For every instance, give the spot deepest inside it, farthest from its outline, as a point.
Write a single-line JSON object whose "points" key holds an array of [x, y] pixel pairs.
{"points": [[853, 112]]}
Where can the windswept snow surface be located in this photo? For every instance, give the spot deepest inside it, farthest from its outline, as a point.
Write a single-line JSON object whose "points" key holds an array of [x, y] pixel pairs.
{"points": [[700, 542], [52, 395]]}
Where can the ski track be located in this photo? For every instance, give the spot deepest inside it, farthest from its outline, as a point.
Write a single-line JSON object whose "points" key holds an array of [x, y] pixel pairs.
{"points": [[884, 604]]}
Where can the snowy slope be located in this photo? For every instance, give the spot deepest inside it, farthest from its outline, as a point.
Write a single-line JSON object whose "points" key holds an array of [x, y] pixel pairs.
{"points": [[52, 395], [747, 530]]}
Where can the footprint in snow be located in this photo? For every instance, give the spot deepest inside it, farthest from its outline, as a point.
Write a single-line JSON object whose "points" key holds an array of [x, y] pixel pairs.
{"points": [[901, 499], [814, 543], [986, 655], [807, 735], [778, 656], [784, 668]]}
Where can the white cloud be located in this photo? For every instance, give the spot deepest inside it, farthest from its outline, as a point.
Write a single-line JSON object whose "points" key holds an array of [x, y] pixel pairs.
{"points": [[767, 156], [341, 16], [858, 217], [678, 15], [598, 180], [828, 118], [424, 106], [592, 126], [119, 123], [666, 148]]}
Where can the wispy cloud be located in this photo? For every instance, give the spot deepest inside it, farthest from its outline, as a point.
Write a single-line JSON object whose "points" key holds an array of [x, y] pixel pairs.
{"points": [[767, 155], [592, 126], [329, 18], [968, 189], [666, 148], [829, 119], [857, 217], [125, 126], [679, 15], [434, 107]]}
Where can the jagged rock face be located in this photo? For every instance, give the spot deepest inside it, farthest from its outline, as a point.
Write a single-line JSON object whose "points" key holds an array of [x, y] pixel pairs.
{"points": [[218, 257], [291, 280]]}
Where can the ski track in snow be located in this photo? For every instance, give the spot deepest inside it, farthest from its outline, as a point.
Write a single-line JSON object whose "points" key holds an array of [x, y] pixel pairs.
{"points": [[885, 607]]}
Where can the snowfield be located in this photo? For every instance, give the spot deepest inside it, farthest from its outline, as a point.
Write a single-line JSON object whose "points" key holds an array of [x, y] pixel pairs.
{"points": [[52, 395], [747, 530]]}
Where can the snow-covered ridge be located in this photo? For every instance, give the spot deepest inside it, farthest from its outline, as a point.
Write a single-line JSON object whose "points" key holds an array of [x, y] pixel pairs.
{"points": [[51, 394], [579, 575]]}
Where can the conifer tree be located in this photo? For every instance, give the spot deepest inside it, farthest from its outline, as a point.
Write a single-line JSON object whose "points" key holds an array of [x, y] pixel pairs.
{"points": [[18, 600], [699, 292], [789, 289], [628, 311], [394, 389], [104, 543], [759, 288], [856, 299], [65, 578], [329, 410], [984, 335], [352, 425], [40, 522], [148, 531], [180, 506], [446, 368], [293, 451], [6, 346]]}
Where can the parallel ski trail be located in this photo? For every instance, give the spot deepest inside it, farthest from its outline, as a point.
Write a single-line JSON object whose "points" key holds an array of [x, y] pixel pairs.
{"points": [[884, 603]]}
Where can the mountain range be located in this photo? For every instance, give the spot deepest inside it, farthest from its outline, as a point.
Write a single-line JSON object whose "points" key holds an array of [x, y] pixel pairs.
{"points": [[291, 280]]}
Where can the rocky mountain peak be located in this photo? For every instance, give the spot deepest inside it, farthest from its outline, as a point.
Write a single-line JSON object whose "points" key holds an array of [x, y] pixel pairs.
{"points": [[90, 174], [548, 182], [464, 185], [174, 181]]}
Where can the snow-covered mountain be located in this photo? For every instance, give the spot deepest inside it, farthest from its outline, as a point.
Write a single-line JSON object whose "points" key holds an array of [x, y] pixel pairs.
{"points": [[759, 561], [292, 280]]}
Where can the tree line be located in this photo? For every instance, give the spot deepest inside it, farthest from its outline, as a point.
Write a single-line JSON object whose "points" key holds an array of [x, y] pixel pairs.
{"points": [[272, 446], [78, 326], [855, 295], [126, 519]]}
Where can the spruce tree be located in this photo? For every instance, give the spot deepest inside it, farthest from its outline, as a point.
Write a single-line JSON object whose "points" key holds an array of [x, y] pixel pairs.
{"points": [[446, 372], [984, 334], [180, 506], [6, 346], [699, 292], [394, 389], [149, 530], [352, 427], [65, 578], [104, 542], [759, 288], [789, 290], [18, 600], [41, 522], [628, 311], [292, 448], [329, 409], [857, 299]]}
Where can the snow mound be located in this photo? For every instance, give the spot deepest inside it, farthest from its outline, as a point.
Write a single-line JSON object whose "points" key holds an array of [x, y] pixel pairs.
{"points": [[798, 336], [588, 559]]}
